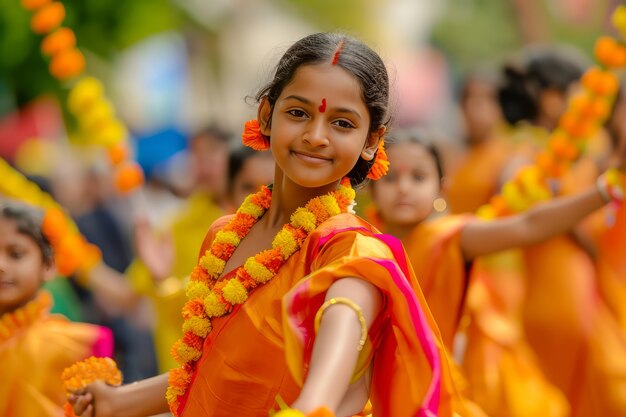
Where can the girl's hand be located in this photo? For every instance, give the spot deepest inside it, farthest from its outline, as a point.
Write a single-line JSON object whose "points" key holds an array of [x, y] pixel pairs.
{"points": [[98, 397], [156, 252]]}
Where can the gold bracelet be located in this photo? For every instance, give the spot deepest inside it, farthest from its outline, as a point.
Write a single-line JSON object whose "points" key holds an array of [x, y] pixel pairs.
{"points": [[353, 306]]}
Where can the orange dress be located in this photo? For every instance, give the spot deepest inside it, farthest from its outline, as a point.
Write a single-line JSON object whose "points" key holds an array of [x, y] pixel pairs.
{"points": [[261, 349], [35, 348], [477, 176], [501, 372]]}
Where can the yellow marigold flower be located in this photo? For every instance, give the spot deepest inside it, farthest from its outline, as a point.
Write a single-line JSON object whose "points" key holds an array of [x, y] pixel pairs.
{"points": [[285, 243], [303, 218], [257, 271], [234, 292], [619, 19], [248, 207], [172, 394], [347, 192], [227, 237], [486, 212], [84, 94], [213, 306], [212, 264], [198, 326], [197, 289], [330, 204], [187, 354], [514, 198]]}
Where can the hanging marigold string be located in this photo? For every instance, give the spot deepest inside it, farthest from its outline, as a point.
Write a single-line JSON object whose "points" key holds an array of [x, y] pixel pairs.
{"points": [[209, 296], [585, 114]]}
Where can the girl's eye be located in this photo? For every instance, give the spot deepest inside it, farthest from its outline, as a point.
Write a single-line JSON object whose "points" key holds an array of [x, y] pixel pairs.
{"points": [[296, 113], [418, 177], [16, 254], [344, 124]]}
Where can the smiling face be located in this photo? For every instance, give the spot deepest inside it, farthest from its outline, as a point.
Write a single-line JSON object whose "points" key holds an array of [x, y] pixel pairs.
{"points": [[316, 148], [405, 196], [22, 267]]}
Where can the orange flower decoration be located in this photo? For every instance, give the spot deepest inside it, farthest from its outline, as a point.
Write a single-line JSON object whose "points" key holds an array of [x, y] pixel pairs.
{"points": [[47, 18], [381, 163], [253, 138], [67, 64], [57, 41], [128, 177]]}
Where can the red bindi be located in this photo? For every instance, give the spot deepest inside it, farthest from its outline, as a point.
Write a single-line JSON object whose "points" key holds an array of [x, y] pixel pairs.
{"points": [[322, 107]]}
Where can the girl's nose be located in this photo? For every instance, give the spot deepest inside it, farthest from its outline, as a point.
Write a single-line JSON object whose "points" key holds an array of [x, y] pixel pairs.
{"points": [[316, 135]]}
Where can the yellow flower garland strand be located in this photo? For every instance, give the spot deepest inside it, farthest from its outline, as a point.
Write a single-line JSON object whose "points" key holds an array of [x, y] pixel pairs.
{"points": [[211, 297]]}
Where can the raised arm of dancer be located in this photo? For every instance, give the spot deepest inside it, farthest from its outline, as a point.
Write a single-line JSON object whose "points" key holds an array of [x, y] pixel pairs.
{"points": [[536, 225], [139, 399], [335, 350]]}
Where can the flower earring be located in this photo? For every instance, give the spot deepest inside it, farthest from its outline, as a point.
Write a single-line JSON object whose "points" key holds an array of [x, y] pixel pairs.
{"points": [[381, 163], [253, 138]]}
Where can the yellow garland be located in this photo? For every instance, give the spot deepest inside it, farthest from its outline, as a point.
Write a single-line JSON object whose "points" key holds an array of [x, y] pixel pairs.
{"points": [[219, 296]]}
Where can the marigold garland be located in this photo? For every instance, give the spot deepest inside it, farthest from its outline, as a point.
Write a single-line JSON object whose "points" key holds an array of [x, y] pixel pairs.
{"points": [[211, 297], [88, 371], [583, 118], [14, 322]]}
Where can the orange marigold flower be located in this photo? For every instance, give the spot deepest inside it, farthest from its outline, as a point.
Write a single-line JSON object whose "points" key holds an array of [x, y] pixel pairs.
{"points": [[199, 274], [381, 163], [66, 64], [117, 153], [263, 199], [193, 340], [193, 308], [317, 208], [223, 250], [54, 225], [244, 277], [271, 259], [128, 177], [240, 224], [252, 136], [57, 41], [47, 17], [179, 377]]}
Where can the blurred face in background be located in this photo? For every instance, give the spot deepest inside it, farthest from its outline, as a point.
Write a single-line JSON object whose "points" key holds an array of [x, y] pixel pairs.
{"points": [[404, 197], [209, 164], [256, 171], [480, 109], [22, 267]]}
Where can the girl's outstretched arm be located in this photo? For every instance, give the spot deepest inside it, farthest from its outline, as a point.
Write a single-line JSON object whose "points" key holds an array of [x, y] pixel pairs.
{"points": [[143, 398], [335, 351], [537, 224]]}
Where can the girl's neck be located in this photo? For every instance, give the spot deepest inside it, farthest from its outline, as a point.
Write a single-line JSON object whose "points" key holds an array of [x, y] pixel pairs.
{"points": [[400, 230], [287, 196]]}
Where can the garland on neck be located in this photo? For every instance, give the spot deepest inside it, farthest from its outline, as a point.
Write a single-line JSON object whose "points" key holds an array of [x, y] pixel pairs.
{"points": [[209, 296], [14, 322], [586, 113]]}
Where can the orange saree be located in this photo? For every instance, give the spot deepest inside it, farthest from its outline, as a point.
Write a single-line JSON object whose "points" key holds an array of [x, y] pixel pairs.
{"points": [[35, 348], [261, 349]]}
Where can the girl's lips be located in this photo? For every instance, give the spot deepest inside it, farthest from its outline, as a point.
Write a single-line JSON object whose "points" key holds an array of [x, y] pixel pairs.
{"points": [[310, 158]]}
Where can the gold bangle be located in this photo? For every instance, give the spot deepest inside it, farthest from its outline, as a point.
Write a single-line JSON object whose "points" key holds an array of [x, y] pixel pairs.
{"points": [[353, 306]]}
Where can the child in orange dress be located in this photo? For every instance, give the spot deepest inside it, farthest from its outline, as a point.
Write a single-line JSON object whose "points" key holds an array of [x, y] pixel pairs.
{"points": [[35, 346]]}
